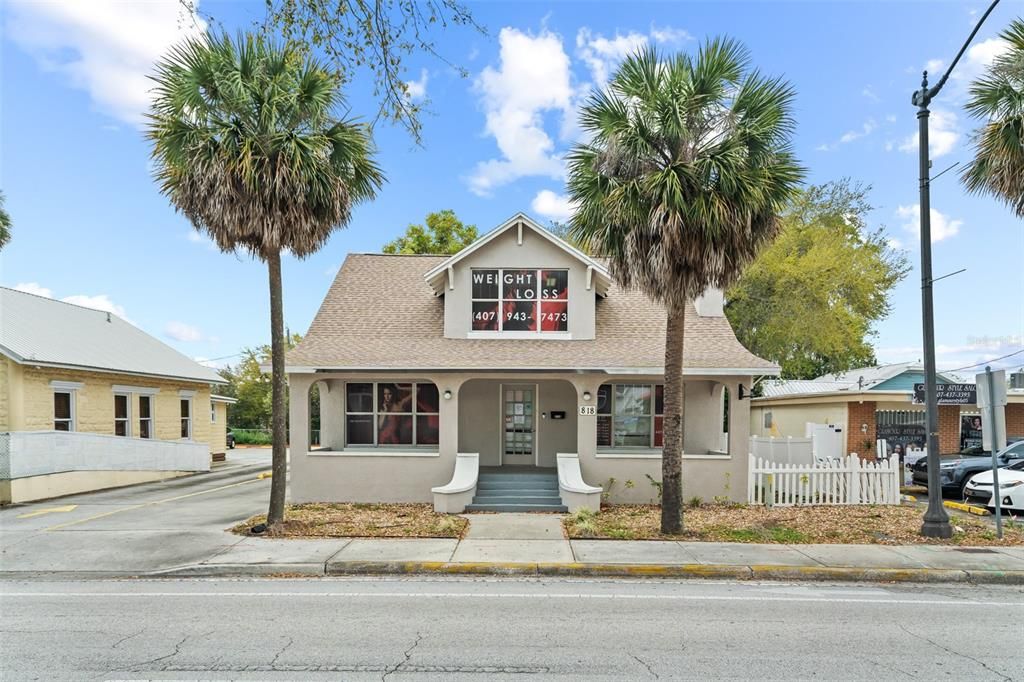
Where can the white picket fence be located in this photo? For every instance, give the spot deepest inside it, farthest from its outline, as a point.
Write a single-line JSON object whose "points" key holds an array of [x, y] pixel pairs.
{"points": [[846, 481]]}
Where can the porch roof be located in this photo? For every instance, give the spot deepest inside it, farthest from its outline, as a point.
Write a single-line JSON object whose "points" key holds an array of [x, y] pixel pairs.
{"points": [[380, 313]]}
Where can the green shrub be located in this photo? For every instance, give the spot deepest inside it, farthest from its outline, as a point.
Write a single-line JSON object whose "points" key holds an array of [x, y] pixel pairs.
{"points": [[251, 436]]}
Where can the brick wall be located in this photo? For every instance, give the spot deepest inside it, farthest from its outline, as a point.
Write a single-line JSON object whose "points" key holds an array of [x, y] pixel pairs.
{"points": [[858, 414], [949, 429], [1015, 419]]}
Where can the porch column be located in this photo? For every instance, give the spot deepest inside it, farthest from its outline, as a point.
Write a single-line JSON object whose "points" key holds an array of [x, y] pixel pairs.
{"points": [[586, 426], [448, 415], [298, 424], [739, 420], [332, 414]]}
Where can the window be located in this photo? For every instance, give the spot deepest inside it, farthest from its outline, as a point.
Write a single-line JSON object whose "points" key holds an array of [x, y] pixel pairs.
{"points": [[63, 411], [122, 419], [213, 413], [630, 415], [520, 300], [391, 414], [145, 416], [186, 417]]}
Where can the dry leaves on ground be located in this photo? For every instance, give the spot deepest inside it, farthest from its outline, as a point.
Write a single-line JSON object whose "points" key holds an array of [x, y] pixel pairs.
{"points": [[344, 520], [859, 525]]}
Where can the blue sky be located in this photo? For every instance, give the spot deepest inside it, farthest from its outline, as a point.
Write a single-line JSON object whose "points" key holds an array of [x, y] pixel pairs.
{"points": [[90, 225]]}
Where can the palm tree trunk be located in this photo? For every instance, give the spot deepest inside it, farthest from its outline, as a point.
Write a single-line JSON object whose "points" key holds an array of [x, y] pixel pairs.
{"points": [[672, 453], [279, 436]]}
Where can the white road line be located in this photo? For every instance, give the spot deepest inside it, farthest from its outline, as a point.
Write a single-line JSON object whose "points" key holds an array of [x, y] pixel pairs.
{"points": [[518, 595]]}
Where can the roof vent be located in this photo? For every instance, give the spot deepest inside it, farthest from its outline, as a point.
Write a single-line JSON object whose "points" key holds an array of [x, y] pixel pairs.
{"points": [[108, 317], [1017, 380]]}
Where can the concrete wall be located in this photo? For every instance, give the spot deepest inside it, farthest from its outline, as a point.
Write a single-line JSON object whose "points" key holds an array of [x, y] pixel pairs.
{"points": [[73, 482], [790, 420], [506, 252], [30, 402], [469, 422]]}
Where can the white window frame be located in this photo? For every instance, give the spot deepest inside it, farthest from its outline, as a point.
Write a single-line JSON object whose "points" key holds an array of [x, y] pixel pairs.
{"points": [[127, 419], [652, 417], [514, 334], [71, 419], [151, 418], [213, 412], [414, 413], [189, 397]]}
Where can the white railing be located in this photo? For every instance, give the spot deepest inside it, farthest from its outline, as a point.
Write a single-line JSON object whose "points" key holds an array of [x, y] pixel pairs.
{"points": [[846, 481], [38, 453]]}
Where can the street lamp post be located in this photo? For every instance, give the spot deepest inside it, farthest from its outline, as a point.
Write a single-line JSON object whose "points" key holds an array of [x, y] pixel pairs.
{"points": [[936, 520]]}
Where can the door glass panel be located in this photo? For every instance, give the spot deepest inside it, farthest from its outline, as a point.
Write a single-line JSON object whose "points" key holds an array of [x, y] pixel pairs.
{"points": [[519, 422]]}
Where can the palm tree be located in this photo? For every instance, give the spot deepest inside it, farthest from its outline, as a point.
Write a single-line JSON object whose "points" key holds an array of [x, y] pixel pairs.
{"points": [[997, 98], [246, 144], [680, 185], [5, 224]]}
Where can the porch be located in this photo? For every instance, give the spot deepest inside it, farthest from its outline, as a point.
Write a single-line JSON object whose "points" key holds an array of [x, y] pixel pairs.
{"points": [[392, 436]]}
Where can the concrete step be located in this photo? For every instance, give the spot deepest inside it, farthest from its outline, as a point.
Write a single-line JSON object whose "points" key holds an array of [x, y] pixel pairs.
{"points": [[518, 499], [501, 484], [518, 492], [517, 507]]}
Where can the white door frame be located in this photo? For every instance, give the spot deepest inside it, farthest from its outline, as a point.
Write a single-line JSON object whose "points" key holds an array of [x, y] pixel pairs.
{"points": [[501, 420]]}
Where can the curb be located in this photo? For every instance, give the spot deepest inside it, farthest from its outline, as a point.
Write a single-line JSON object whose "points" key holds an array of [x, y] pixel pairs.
{"points": [[969, 508], [597, 570]]}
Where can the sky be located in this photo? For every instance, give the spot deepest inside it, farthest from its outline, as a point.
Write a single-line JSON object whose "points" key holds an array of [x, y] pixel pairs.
{"points": [[91, 227]]}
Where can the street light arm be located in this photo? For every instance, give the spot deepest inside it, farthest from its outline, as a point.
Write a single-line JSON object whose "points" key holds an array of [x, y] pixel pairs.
{"points": [[934, 90]]}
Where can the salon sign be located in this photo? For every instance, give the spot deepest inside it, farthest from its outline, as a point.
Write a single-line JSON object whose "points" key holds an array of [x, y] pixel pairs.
{"points": [[949, 394]]}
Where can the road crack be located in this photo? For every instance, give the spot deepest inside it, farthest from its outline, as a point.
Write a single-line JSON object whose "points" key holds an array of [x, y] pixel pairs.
{"points": [[1004, 676], [177, 650], [273, 662], [407, 653], [645, 664], [126, 638]]}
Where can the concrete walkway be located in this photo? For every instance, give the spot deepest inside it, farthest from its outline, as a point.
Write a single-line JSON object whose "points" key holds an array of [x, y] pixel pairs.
{"points": [[535, 544]]}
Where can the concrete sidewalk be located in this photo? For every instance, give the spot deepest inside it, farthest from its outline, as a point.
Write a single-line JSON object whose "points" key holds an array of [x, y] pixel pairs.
{"points": [[529, 544]]}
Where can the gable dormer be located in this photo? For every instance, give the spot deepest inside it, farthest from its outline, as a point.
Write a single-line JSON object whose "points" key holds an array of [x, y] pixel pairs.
{"points": [[519, 281]]}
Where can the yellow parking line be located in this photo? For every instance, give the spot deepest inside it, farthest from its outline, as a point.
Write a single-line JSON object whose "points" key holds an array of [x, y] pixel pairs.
{"points": [[150, 504]]}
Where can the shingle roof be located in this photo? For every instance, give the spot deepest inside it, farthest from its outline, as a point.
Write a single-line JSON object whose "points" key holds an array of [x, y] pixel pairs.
{"points": [[380, 314], [39, 330]]}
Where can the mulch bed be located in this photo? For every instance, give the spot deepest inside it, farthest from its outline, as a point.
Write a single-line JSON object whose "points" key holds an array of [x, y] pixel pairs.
{"points": [[857, 525], [347, 520]]}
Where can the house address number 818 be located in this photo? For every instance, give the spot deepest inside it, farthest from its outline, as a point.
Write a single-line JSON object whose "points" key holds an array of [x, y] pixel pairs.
{"points": [[587, 410]]}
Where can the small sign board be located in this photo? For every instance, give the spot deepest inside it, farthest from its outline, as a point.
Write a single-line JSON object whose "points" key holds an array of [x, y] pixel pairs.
{"points": [[949, 394], [588, 410]]}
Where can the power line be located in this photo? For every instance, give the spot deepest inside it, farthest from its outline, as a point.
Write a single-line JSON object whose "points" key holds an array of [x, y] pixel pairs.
{"points": [[993, 359]]}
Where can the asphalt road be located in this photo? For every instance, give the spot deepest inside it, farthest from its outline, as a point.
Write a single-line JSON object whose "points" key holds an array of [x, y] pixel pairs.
{"points": [[138, 528], [355, 629]]}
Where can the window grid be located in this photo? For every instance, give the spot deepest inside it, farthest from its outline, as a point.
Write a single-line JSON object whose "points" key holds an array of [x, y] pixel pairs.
{"points": [[122, 415], [63, 411], [145, 416], [422, 423], [533, 300], [621, 406], [186, 418]]}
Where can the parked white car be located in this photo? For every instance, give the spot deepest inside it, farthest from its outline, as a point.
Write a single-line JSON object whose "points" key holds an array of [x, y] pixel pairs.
{"points": [[1011, 488]]}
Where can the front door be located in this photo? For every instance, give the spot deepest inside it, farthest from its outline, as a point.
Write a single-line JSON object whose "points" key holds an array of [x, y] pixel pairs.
{"points": [[519, 433]]}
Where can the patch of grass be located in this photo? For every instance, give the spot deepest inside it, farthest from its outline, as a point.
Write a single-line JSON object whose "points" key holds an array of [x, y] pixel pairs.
{"points": [[347, 520], [730, 522]]}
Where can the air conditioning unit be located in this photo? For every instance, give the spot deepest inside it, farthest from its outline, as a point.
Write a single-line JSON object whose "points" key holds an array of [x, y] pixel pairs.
{"points": [[1017, 380]]}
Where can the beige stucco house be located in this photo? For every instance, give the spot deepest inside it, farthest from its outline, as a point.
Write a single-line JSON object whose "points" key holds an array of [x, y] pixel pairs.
{"points": [[88, 400], [517, 350]]}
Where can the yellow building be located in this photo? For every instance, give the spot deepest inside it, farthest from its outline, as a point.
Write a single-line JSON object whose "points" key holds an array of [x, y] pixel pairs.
{"points": [[88, 401]]}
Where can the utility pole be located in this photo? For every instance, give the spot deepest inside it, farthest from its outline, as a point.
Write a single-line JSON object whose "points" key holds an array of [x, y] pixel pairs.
{"points": [[936, 520]]}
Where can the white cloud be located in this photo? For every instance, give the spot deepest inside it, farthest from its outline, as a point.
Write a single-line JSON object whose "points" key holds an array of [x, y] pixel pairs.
{"points": [[602, 55], [105, 47], [972, 351], [197, 238], [97, 302], [849, 136], [417, 90], [532, 79], [669, 34], [552, 206], [870, 94], [942, 226], [933, 66], [34, 288], [179, 331], [942, 135]]}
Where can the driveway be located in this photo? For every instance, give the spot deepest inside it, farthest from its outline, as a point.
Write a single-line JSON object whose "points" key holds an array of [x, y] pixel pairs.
{"points": [[141, 528]]}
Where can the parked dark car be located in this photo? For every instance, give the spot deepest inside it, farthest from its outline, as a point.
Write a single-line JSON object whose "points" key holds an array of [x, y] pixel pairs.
{"points": [[956, 469], [230, 440]]}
